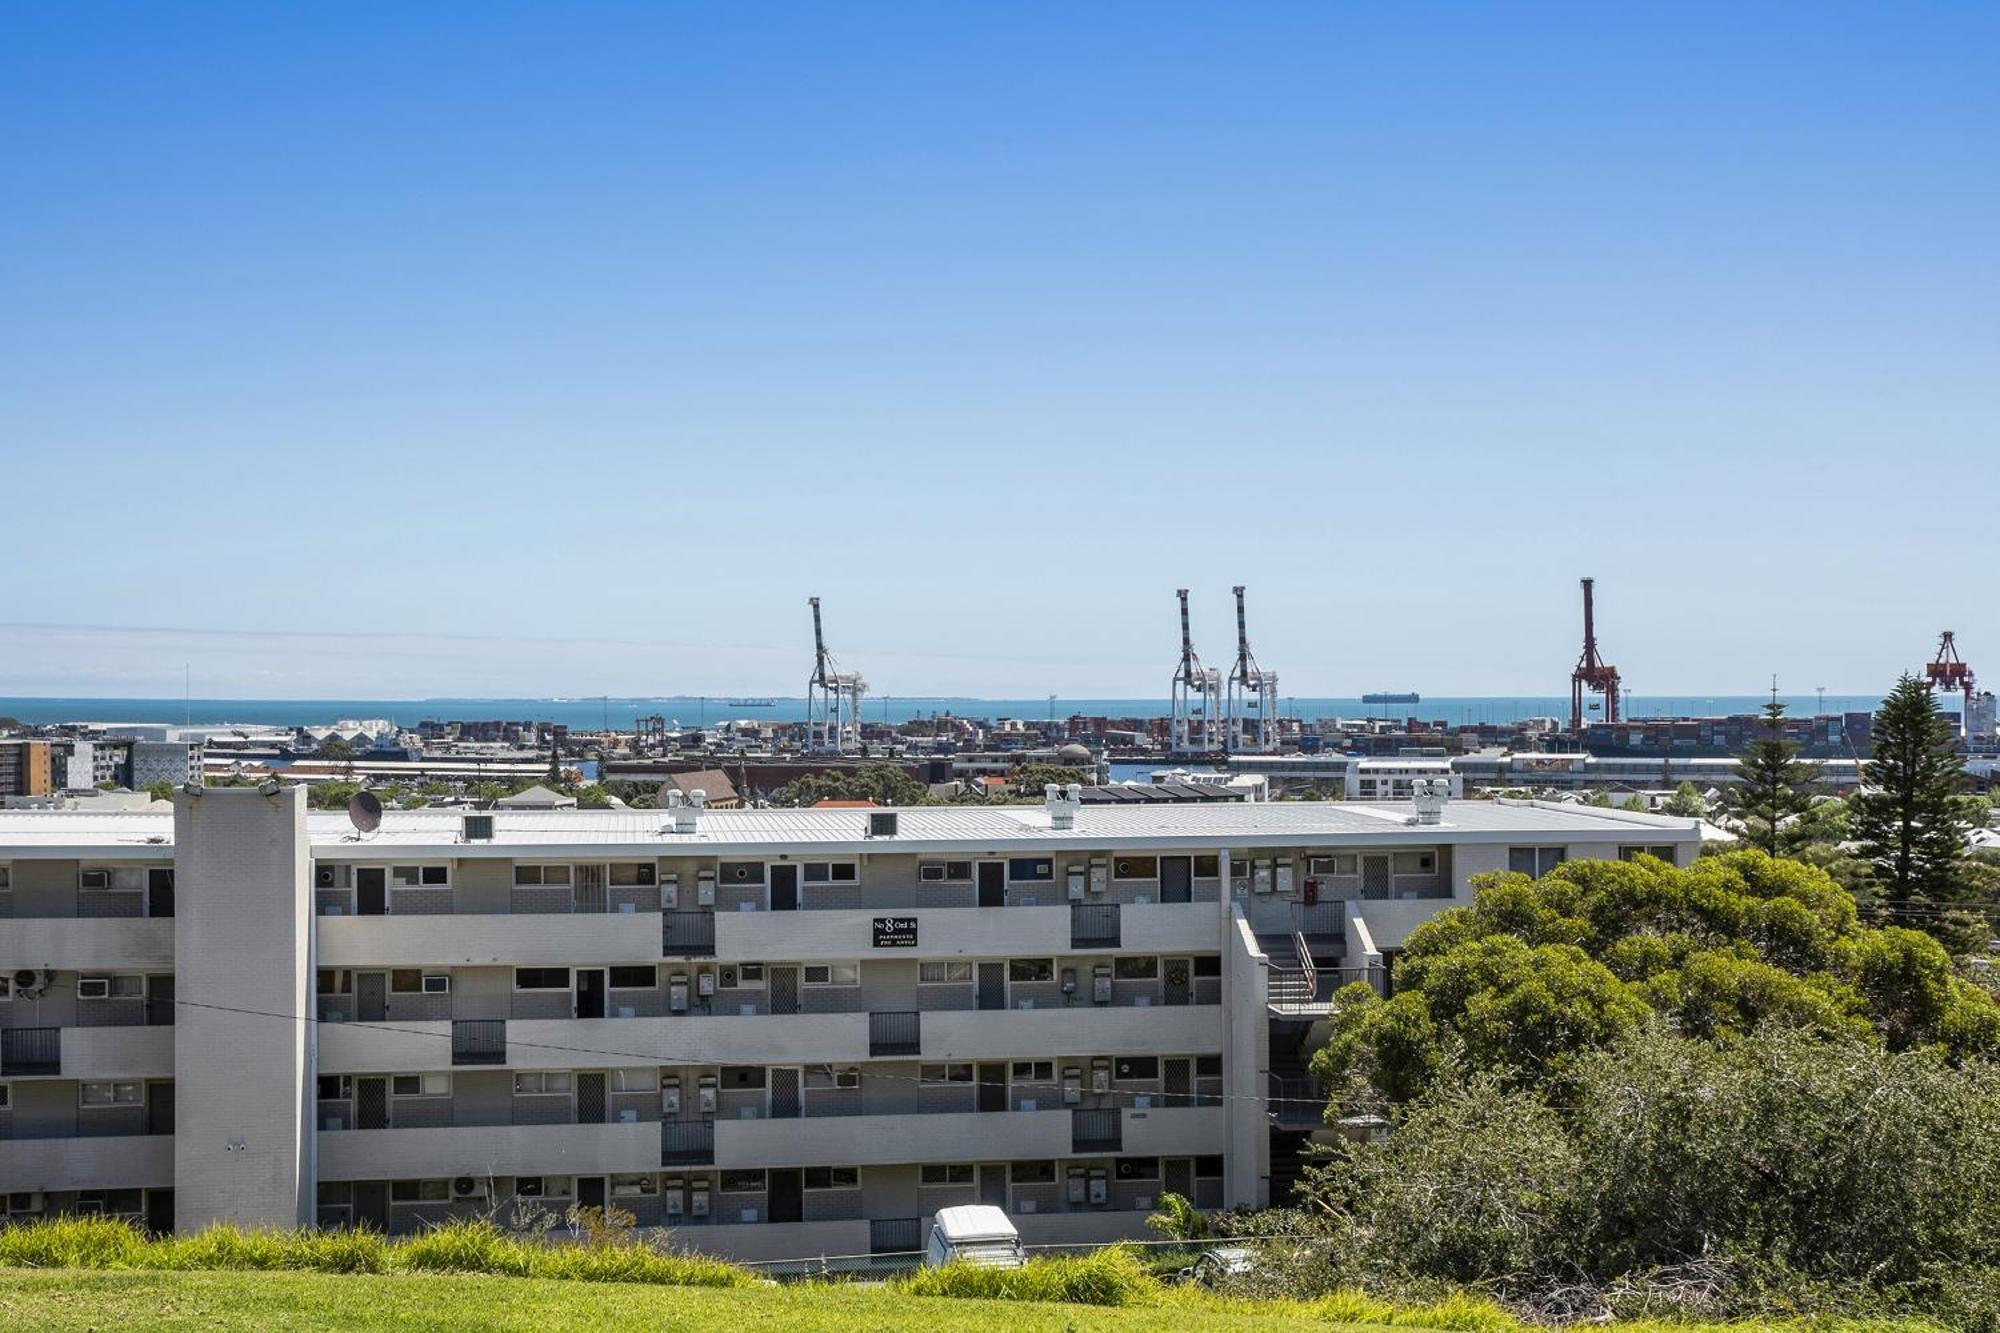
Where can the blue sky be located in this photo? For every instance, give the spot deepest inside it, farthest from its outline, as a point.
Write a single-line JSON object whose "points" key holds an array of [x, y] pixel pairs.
{"points": [[386, 350]]}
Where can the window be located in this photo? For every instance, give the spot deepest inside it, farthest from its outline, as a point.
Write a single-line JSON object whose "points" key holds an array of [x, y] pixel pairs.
{"points": [[627, 1186], [830, 872], [1032, 1173], [335, 1087], [1138, 1168], [1034, 1071], [1333, 865], [1534, 861], [110, 988], [1207, 867], [416, 877], [635, 1080], [541, 978], [419, 1191], [541, 876], [1031, 969], [1208, 965], [111, 878], [1208, 1168], [1031, 869], [833, 1178], [740, 872], [1135, 867], [626, 874], [1415, 863], [947, 1173], [421, 1085], [945, 872], [541, 1083], [407, 980], [108, 1094], [742, 1077], [1142, 967], [944, 973], [742, 1182], [335, 1193], [6, 986], [1634, 853], [1136, 1068], [5, 874], [1208, 1066], [944, 1074], [825, 1078], [6, 1096], [542, 1187], [332, 982], [833, 974], [634, 978]]}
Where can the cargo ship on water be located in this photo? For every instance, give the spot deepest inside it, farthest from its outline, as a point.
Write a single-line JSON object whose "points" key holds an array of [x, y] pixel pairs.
{"points": [[1386, 697]]}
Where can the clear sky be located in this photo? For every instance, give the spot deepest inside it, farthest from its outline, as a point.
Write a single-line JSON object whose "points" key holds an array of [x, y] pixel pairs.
{"points": [[380, 350]]}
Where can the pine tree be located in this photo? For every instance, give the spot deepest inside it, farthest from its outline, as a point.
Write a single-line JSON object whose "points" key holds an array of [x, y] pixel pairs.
{"points": [[1908, 817], [1772, 786]]}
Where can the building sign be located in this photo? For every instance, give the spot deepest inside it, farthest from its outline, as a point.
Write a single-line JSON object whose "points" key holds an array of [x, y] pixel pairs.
{"points": [[895, 932]]}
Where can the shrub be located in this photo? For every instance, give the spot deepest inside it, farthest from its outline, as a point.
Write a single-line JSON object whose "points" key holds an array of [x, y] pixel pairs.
{"points": [[72, 1242], [1107, 1277]]}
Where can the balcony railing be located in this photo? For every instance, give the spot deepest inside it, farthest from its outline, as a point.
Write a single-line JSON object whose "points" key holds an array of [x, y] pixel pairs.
{"points": [[1296, 1102], [30, 1051], [687, 934], [896, 1032], [479, 1041], [687, 1142], [1093, 925], [1099, 1129], [895, 1235]]}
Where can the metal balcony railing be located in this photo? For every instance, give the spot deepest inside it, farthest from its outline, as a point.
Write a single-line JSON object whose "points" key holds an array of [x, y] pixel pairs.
{"points": [[479, 1041], [895, 1235], [30, 1051], [1296, 1102], [1093, 926], [687, 1142], [896, 1032], [1099, 1129], [687, 934]]}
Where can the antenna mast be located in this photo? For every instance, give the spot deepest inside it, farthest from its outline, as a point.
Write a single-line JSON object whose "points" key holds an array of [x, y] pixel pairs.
{"points": [[1253, 695], [1592, 675]]}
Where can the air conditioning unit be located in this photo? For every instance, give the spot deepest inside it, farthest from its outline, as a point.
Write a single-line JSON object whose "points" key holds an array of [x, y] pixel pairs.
{"points": [[323, 877], [468, 1187], [30, 983], [22, 1203], [477, 828], [94, 879], [437, 984], [93, 988], [882, 823], [931, 872]]}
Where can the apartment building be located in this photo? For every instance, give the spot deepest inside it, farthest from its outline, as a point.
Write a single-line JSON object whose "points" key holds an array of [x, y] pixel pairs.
{"points": [[780, 1033]]}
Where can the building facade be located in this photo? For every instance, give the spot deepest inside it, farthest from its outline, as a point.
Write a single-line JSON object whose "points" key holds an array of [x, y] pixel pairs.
{"points": [[780, 1033]]}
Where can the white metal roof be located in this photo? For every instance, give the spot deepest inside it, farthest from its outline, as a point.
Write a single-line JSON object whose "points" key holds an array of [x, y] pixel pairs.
{"points": [[1016, 829]]}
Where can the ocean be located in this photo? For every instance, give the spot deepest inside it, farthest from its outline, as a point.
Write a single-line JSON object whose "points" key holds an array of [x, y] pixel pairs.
{"points": [[593, 713]]}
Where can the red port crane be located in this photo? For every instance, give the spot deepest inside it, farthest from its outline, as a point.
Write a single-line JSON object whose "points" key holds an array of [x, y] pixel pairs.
{"points": [[1949, 671], [1592, 673]]}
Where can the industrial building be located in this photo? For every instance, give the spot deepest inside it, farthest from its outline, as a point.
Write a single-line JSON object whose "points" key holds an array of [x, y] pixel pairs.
{"points": [[781, 1033]]}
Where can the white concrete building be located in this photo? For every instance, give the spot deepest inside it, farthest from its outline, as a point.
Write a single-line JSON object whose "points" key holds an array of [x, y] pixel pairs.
{"points": [[781, 1033]]}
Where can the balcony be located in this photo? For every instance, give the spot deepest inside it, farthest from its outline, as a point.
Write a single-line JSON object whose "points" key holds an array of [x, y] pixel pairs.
{"points": [[118, 1052], [964, 932], [1096, 1130], [687, 935], [88, 944], [137, 1161], [488, 1150], [1296, 1103], [889, 1140], [488, 939], [30, 1051], [479, 1041], [895, 1032], [1102, 1030], [687, 1142], [1093, 926]]}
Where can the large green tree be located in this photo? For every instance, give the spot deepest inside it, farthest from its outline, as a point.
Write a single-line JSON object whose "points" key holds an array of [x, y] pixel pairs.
{"points": [[1773, 786], [1908, 816]]}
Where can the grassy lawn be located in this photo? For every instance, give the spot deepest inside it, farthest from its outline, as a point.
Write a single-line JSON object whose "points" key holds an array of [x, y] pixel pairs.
{"points": [[67, 1298]]}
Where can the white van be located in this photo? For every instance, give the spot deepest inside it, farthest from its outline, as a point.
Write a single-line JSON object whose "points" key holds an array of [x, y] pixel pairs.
{"points": [[977, 1233]]}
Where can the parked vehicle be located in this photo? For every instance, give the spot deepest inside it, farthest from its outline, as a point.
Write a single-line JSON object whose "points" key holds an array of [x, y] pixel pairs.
{"points": [[976, 1233], [1213, 1267]]}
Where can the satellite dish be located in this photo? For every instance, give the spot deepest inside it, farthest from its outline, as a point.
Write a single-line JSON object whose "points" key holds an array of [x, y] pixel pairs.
{"points": [[364, 811]]}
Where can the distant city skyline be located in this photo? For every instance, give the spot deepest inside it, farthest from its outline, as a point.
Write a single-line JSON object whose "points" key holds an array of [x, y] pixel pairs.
{"points": [[535, 350]]}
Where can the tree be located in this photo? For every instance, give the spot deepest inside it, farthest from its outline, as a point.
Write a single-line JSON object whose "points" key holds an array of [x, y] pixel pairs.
{"points": [[1772, 786], [1907, 815], [884, 784], [335, 746], [161, 790], [1687, 802], [593, 797]]}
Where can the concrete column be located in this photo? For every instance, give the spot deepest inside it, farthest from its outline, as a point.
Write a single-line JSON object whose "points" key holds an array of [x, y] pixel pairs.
{"points": [[1246, 1062], [243, 917]]}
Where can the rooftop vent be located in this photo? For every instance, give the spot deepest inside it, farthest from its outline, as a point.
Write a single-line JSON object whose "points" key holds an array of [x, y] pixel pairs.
{"points": [[1429, 795], [881, 823], [1062, 803], [684, 811], [477, 828]]}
